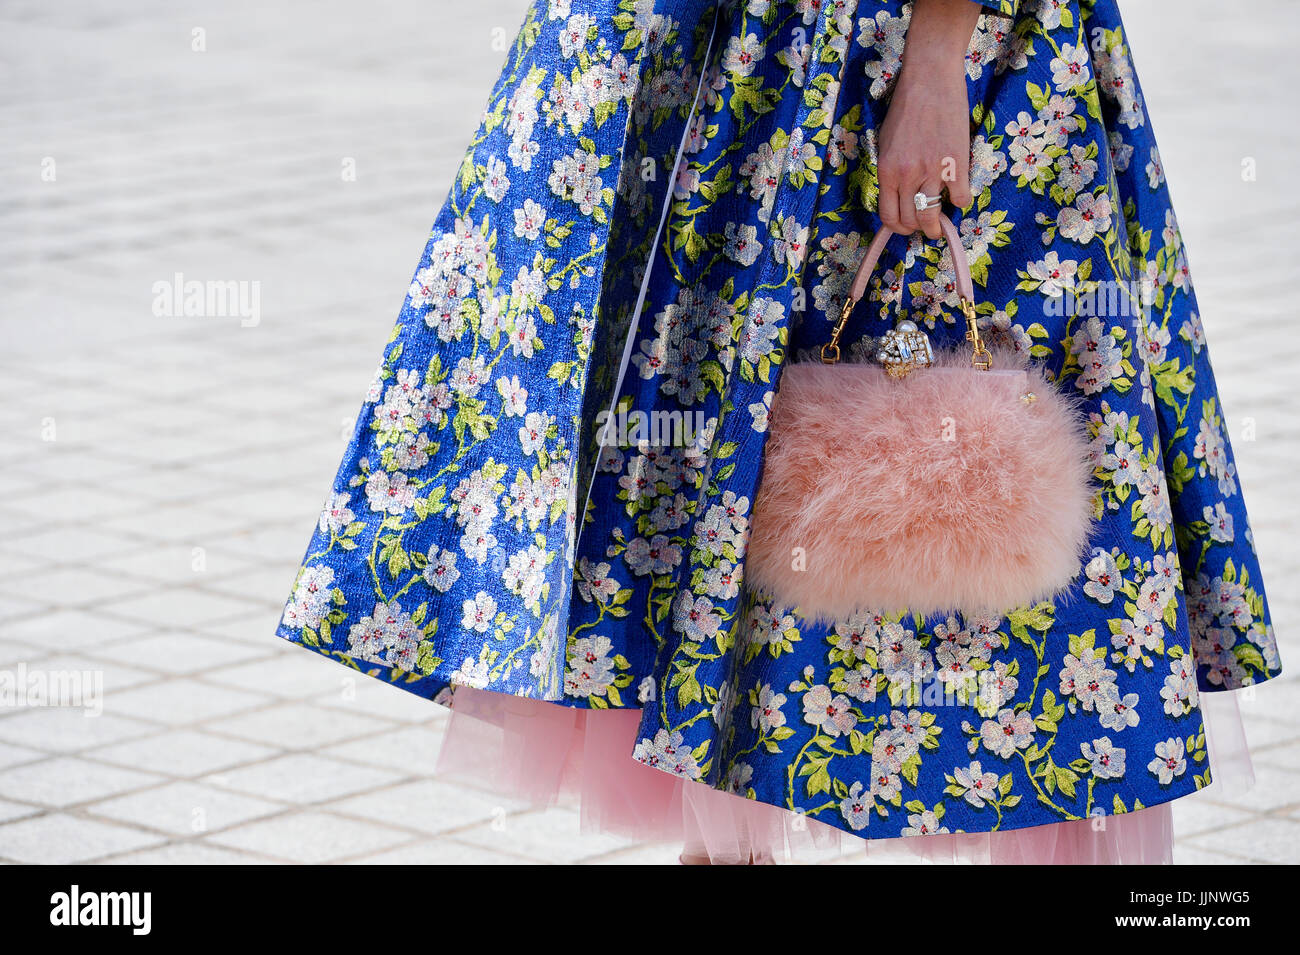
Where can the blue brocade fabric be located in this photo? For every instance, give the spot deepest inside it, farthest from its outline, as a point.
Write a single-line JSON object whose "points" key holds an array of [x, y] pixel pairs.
{"points": [[451, 552]]}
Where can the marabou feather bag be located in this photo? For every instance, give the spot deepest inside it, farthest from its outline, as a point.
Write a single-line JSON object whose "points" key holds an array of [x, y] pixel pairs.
{"points": [[929, 481]]}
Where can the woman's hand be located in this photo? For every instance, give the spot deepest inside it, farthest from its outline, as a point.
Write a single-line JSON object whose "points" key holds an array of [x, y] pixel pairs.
{"points": [[925, 139]]}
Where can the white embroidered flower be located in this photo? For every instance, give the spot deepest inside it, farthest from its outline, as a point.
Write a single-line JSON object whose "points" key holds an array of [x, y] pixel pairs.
{"points": [[668, 752], [759, 412], [766, 715], [590, 669], [1220, 522], [1212, 449], [1098, 354], [1075, 170], [533, 432], [1155, 343], [1193, 332], [923, 824], [1055, 277], [856, 807], [1106, 759], [529, 219], [1138, 635], [1071, 70], [389, 493], [594, 583], [1086, 219], [525, 575], [1170, 760], [742, 55], [791, 244], [986, 164], [495, 180], [696, 618], [1008, 732], [832, 715], [440, 573], [1121, 153], [758, 336], [722, 582], [884, 36], [1180, 691], [576, 178], [312, 598], [336, 515], [738, 779], [742, 243], [1116, 80], [997, 688], [477, 614], [468, 376], [573, 39], [979, 787], [1116, 712], [655, 556], [1155, 497], [1103, 577], [386, 636], [514, 397], [472, 673], [858, 684], [1087, 679]]}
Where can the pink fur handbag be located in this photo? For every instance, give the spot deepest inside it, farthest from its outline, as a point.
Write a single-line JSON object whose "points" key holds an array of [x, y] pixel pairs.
{"points": [[930, 482]]}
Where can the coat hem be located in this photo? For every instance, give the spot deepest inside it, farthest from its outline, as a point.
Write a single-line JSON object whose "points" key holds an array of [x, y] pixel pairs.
{"points": [[439, 685]]}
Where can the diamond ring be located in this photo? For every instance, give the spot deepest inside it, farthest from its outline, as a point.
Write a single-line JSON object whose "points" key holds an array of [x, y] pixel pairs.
{"points": [[923, 202]]}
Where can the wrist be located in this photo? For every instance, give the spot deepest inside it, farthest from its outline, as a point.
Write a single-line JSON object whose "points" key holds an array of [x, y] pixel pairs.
{"points": [[930, 77], [938, 37], [934, 72]]}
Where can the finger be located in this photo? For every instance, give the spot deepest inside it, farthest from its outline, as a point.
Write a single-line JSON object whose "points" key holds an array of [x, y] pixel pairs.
{"points": [[888, 205], [958, 184], [907, 206], [928, 221]]}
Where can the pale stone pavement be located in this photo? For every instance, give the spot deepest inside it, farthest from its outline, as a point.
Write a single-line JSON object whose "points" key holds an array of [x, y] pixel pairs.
{"points": [[159, 477]]}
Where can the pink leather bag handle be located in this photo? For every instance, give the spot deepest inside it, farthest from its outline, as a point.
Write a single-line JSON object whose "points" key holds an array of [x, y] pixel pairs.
{"points": [[965, 292], [961, 268]]}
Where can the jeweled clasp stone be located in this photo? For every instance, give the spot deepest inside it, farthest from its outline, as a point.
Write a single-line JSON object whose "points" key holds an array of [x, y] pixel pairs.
{"points": [[903, 349]]}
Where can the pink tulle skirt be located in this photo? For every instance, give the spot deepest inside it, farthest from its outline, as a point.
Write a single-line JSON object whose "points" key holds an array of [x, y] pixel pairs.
{"points": [[542, 754]]}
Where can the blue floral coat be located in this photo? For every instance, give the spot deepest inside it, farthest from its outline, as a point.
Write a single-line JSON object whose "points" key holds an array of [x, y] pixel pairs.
{"points": [[478, 533]]}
